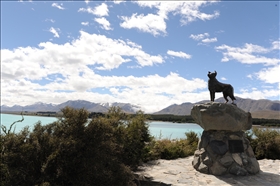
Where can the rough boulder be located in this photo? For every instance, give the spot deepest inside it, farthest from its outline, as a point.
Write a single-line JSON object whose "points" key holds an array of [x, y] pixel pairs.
{"points": [[221, 116]]}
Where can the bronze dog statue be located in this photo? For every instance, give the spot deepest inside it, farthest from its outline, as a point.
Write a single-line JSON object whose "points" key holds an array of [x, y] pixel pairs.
{"points": [[215, 86]]}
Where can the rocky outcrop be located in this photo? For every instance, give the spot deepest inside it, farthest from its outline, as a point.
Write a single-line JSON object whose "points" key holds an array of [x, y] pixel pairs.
{"points": [[223, 147], [221, 116]]}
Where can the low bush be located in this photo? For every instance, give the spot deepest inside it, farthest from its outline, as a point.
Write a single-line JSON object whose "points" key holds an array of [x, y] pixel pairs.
{"points": [[172, 149], [265, 143], [75, 151]]}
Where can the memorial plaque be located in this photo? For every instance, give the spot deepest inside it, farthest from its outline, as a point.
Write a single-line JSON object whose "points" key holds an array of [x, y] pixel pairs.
{"points": [[235, 146]]}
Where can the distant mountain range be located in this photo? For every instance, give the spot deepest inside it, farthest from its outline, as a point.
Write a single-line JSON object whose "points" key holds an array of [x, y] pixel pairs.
{"points": [[90, 106], [259, 108], [262, 108]]}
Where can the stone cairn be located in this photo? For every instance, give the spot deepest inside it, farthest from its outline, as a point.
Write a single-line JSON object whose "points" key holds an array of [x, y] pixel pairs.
{"points": [[223, 147]]}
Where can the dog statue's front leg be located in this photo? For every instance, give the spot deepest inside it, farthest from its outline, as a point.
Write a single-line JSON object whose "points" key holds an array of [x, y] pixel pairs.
{"points": [[212, 96]]}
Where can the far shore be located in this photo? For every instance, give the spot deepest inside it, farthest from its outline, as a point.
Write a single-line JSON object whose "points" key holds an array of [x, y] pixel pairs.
{"points": [[59, 114], [30, 114]]}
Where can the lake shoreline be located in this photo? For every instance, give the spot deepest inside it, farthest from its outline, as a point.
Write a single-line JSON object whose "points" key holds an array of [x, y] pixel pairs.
{"points": [[56, 116]]}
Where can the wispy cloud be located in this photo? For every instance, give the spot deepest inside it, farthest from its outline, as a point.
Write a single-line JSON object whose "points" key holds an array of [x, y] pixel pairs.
{"points": [[255, 54], [248, 54], [223, 78], [105, 24], [101, 10], [209, 40], [54, 31], [179, 54], [155, 23], [150, 23], [119, 1], [85, 23], [199, 36], [56, 5], [203, 38]]}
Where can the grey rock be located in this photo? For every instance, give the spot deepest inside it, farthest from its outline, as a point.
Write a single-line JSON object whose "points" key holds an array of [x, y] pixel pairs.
{"points": [[196, 162], [250, 152], [237, 170], [253, 166], [226, 160], [207, 161], [203, 168], [204, 141], [245, 162], [237, 158], [221, 116], [217, 169]]}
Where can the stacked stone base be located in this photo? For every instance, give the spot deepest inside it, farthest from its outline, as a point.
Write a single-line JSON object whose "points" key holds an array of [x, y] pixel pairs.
{"points": [[221, 152]]}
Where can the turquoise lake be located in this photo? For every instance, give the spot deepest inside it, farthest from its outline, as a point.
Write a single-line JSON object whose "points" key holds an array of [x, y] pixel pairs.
{"points": [[157, 128]]}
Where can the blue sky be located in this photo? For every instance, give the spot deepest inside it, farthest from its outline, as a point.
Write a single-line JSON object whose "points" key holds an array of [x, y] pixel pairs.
{"points": [[151, 54]]}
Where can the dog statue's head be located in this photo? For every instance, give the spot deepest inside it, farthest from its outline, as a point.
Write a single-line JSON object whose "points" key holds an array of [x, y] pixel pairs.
{"points": [[212, 75]]}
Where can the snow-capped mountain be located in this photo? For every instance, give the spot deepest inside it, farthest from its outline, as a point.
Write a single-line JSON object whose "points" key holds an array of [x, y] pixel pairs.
{"points": [[77, 104], [126, 107]]}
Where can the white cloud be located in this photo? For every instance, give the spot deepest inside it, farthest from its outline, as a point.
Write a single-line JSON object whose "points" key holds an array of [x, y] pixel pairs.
{"points": [[54, 31], [199, 36], [150, 23], [89, 49], [155, 23], [270, 75], [258, 94], [88, 10], [190, 12], [275, 45], [119, 1], [209, 40], [101, 10], [203, 38], [105, 24], [85, 23], [70, 70], [179, 54], [133, 44], [147, 91], [58, 6], [250, 76], [223, 78], [248, 54]]}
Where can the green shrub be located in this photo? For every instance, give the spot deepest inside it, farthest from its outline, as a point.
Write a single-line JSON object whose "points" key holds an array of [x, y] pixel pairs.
{"points": [[75, 151], [172, 149], [265, 143]]}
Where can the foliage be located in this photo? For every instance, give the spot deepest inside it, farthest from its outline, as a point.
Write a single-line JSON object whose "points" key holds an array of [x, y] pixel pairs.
{"points": [[75, 151], [266, 122], [172, 149], [171, 118], [265, 143]]}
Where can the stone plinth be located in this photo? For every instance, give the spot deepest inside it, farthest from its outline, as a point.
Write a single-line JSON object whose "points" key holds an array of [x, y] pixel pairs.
{"points": [[223, 147], [221, 116]]}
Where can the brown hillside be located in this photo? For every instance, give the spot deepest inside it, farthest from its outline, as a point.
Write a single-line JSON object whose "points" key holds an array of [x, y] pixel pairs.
{"points": [[267, 114]]}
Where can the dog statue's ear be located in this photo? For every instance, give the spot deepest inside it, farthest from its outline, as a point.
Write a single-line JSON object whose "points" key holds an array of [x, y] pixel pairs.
{"points": [[215, 72], [209, 72]]}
